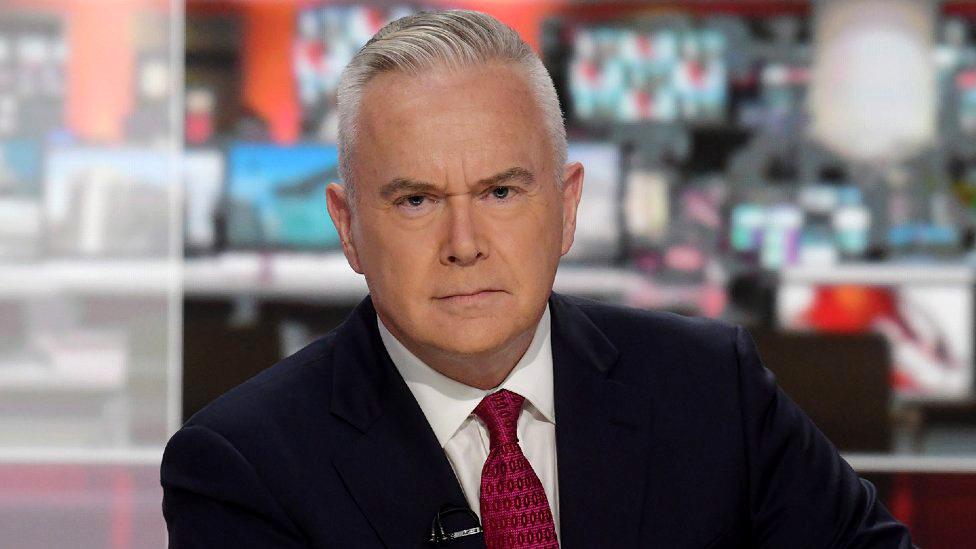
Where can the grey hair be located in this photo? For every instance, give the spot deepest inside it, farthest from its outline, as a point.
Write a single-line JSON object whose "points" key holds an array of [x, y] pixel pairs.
{"points": [[452, 39]]}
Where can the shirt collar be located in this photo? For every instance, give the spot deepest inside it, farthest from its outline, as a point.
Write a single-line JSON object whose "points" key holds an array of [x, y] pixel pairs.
{"points": [[448, 403]]}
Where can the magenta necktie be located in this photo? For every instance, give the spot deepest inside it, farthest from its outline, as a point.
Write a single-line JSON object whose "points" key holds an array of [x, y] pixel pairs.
{"points": [[515, 513]]}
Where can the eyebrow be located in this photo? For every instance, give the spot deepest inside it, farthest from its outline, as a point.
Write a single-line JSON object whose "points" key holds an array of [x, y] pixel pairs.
{"points": [[402, 184], [405, 184]]}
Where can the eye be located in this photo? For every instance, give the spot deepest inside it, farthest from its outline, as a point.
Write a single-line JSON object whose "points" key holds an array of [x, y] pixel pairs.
{"points": [[501, 193], [415, 204], [416, 201]]}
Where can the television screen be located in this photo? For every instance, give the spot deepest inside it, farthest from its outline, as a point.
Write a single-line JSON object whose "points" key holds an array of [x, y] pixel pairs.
{"points": [[695, 228], [326, 41], [108, 201], [20, 168], [782, 97], [624, 74], [598, 225], [954, 50], [275, 196], [203, 178], [33, 60], [929, 327], [647, 206], [966, 102]]}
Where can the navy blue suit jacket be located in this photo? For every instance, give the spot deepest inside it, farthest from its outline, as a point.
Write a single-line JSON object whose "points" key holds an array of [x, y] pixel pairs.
{"points": [[669, 433]]}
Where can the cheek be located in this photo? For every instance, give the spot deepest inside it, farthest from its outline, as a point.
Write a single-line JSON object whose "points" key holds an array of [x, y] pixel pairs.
{"points": [[530, 243], [545, 228], [396, 260]]}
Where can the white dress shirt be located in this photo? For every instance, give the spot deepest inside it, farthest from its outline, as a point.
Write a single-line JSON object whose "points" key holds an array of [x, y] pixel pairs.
{"points": [[449, 407]]}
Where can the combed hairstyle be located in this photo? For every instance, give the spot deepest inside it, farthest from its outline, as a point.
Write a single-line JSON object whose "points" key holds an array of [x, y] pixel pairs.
{"points": [[452, 39]]}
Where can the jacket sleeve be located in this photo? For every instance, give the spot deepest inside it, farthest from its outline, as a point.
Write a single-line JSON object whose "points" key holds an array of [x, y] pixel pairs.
{"points": [[213, 497], [801, 492]]}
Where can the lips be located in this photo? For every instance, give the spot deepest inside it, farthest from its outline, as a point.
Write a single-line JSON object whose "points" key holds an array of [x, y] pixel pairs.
{"points": [[467, 293]]}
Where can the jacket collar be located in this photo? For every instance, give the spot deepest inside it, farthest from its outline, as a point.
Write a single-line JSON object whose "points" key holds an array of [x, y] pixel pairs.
{"points": [[601, 434], [448, 404], [396, 471], [400, 476]]}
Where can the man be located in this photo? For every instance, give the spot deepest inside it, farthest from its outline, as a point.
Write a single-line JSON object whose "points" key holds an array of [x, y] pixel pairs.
{"points": [[462, 381]]}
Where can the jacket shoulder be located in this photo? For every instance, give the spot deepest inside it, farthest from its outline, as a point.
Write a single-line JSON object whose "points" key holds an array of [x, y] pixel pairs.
{"points": [[627, 326], [667, 352]]}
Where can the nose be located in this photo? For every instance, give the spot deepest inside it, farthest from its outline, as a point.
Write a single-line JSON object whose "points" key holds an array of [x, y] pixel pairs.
{"points": [[462, 245]]}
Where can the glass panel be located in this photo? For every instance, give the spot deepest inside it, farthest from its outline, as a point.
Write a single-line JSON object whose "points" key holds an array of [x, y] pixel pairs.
{"points": [[89, 269], [89, 505]]}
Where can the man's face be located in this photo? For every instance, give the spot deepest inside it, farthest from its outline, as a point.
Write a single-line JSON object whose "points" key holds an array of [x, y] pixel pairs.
{"points": [[459, 224]]}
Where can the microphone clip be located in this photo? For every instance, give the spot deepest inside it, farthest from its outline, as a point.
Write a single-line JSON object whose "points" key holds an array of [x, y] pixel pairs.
{"points": [[440, 537]]}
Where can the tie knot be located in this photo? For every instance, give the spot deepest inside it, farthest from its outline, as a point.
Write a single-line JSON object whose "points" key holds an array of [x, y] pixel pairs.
{"points": [[500, 412]]}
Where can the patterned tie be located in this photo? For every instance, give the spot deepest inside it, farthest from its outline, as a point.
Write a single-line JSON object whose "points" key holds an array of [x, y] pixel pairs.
{"points": [[515, 513]]}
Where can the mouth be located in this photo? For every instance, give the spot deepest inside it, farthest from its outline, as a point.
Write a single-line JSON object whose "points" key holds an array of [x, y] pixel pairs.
{"points": [[472, 296]]}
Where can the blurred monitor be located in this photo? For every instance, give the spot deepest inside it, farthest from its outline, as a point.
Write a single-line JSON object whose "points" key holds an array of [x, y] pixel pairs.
{"points": [[928, 322], [955, 48], [822, 225], [647, 74], [780, 104], [695, 229], [598, 226], [966, 100], [107, 201], [275, 196], [647, 206], [768, 236], [20, 198], [33, 60], [20, 167], [327, 38], [203, 178]]}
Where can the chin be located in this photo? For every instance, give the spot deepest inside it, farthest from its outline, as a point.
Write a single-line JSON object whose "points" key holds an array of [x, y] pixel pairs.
{"points": [[472, 338]]}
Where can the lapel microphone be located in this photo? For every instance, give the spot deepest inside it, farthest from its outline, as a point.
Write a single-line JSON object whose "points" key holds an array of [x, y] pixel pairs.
{"points": [[460, 521]]}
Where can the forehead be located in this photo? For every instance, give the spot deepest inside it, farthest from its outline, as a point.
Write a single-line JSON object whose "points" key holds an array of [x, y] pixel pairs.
{"points": [[443, 124]]}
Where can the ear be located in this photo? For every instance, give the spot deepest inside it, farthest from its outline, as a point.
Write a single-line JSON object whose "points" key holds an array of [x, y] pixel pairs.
{"points": [[340, 210], [571, 192]]}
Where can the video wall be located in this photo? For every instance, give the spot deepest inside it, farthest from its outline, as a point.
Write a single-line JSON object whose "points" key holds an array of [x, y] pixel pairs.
{"points": [[327, 38], [665, 73]]}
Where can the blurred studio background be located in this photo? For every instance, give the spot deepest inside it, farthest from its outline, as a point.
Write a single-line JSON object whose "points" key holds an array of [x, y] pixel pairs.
{"points": [[805, 168]]}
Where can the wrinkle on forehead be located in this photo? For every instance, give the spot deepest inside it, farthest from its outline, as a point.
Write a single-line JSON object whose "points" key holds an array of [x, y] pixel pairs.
{"points": [[450, 127]]}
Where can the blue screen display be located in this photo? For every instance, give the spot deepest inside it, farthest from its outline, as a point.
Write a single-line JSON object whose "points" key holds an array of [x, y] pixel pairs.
{"points": [[20, 167], [276, 196]]}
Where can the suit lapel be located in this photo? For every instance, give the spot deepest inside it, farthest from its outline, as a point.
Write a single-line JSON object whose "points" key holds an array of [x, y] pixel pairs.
{"points": [[396, 471], [400, 476], [601, 435]]}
